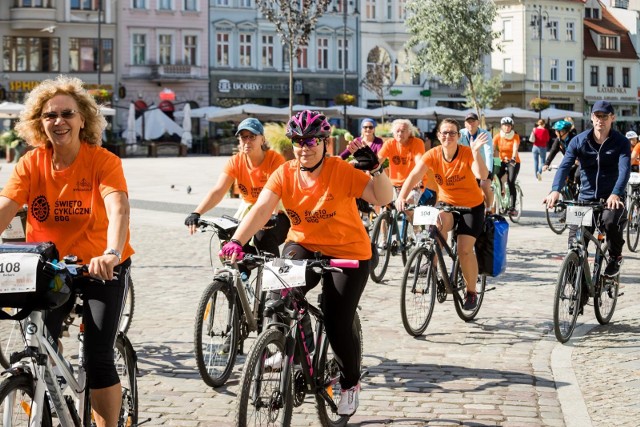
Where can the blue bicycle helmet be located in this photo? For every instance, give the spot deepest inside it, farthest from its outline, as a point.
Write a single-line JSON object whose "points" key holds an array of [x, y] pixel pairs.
{"points": [[562, 125]]}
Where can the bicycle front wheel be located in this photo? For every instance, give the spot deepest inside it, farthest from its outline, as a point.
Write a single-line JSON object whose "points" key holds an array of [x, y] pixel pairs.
{"points": [[556, 217], [418, 291], [633, 226], [329, 373], [460, 293], [381, 239], [261, 402], [567, 303], [11, 339], [16, 402], [129, 307], [515, 217], [216, 333], [606, 298]]}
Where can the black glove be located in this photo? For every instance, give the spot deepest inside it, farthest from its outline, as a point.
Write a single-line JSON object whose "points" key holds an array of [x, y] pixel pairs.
{"points": [[366, 159], [192, 219]]}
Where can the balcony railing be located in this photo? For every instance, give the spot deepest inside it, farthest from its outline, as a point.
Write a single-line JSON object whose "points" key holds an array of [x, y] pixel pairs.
{"points": [[165, 72]]}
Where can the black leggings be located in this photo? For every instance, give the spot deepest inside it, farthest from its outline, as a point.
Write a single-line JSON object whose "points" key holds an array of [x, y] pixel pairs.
{"points": [[511, 169], [612, 222], [101, 310], [340, 296]]}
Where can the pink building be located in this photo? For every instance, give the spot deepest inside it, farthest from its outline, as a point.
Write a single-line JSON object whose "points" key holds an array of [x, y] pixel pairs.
{"points": [[162, 44]]}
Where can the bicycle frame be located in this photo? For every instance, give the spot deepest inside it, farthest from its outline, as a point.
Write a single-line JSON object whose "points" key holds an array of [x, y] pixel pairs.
{"points": [[440, 243], [395, 230], [583, 237]]}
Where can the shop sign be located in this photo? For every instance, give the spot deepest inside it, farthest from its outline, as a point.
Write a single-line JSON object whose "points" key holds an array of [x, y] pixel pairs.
{"points": [[227, 86]]}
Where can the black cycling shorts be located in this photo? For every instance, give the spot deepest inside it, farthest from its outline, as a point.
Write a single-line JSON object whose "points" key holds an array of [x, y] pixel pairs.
{"points": [[470, 223]]}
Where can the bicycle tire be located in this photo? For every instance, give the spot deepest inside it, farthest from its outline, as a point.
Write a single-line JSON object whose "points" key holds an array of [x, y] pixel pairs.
{"points": [[518, 206], [460, 293], [556, 218], [128, 309], [606, 298], [382, 243], [418, 291], [256, 378], [216, 327], [633, 226], [329, 373], [567, 297], [11, 340], [22, 385], [404, 239]]}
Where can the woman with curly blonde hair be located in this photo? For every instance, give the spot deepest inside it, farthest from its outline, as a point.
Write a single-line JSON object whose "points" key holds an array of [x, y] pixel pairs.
{"points": [[83, 207]]}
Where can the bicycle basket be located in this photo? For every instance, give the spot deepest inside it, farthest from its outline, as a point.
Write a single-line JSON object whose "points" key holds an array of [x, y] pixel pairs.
{"points": [[28, 282]]}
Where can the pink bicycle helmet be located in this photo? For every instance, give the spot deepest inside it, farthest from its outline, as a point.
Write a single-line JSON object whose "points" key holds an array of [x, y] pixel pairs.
{"points": [[308, 124]]}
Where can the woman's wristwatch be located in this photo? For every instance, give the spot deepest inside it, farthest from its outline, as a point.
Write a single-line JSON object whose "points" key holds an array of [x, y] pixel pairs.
{"points": [[113, 252], [377, 171]]}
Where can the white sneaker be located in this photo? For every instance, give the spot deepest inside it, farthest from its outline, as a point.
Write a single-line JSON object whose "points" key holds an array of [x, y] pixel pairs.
{"points": [[275, 362], [349, 400]]}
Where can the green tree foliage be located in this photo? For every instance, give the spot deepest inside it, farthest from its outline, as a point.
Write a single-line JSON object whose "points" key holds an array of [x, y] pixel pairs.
{"points": [[294, 21], [487, 91], [450, 38]]}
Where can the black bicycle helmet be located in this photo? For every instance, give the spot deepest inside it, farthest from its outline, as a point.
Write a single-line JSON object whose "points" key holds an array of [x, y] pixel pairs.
{"points": [[308, 124]]}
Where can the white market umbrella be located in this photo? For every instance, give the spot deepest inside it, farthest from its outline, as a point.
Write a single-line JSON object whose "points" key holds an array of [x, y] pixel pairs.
{"points": [[10, 110], [437, 113], [515, 112], [198, 113], [107, 111], [187, 138], [156, 124], [558, 114], [395, 111], [130, 133], [241, 112]]}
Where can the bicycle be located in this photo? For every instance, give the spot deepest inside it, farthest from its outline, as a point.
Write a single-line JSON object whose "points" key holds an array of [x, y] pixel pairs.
{"points": [[502, 201], [556, 216], [579, 277], [230, 308], [633, 223], [426, 278], [269, 393], [33, 387], [389, 238]]}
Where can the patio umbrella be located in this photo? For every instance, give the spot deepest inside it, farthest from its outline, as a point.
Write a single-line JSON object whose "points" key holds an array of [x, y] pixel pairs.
{"points": [[241, 112], [10, 110], [436, 113], [198, 113], [515, 112], [156, 124], [558, 114], [395, 111], [130, 133], [186, 126]]}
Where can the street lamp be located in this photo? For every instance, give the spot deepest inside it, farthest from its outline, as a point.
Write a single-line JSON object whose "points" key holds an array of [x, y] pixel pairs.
{"points": [[99, 43], [536, 23]]}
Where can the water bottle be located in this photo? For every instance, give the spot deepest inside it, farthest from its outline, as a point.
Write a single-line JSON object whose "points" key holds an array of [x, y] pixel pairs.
{"points": [[307, 329], [251, 297]]}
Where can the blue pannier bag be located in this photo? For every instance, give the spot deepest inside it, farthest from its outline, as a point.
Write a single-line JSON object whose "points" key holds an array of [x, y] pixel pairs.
{"points": [[491, 246]]}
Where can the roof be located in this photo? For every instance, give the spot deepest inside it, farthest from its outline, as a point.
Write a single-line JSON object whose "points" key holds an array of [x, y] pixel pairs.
{"points": [[607, 26]]}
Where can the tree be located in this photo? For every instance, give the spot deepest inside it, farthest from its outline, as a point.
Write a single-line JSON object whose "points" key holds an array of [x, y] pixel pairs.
{"points": [[487, 91], [450, 39], [294, 20], [378, 77]]}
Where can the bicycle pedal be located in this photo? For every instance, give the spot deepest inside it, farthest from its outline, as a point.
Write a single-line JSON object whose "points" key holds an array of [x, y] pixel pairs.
{"points": [[488, 290], [620, 294], [363, 373]]}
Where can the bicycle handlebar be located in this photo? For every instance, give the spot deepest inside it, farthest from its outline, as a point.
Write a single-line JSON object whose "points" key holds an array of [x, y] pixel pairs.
{"points": [[451, 208], [598, 205], [326, 264]]}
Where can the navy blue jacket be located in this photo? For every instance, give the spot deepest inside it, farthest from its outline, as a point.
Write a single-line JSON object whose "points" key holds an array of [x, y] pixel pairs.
{"points": [[604, 169]]}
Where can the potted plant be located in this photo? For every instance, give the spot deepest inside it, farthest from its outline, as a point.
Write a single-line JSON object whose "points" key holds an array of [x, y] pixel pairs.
{"points": [[13, 145], [275, 134], [338, 139], [539, 104]]}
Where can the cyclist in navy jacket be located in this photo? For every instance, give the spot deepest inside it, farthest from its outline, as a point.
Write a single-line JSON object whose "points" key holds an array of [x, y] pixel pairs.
{"points": [[604, 156]]}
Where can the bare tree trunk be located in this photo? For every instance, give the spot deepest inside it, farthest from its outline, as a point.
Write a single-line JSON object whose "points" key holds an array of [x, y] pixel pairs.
{"points": [[290, 79]]}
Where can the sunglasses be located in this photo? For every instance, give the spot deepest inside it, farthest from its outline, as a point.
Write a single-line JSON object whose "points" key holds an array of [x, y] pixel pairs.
{"points": [[367, 127], [602, 116], [65, 114], [309, 142], [249, 137]]}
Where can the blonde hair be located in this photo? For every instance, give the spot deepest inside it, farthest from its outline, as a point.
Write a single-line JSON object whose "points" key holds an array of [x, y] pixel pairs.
{"points": [[540, 122], [403, 122], [29, 126]]}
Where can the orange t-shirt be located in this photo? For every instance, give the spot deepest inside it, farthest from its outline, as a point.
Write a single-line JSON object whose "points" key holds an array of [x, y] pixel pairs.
{"points": [[324, 217], [251, 180], [635, 154], [456, 181], [67, 207], [505, 146], [402, 158]]}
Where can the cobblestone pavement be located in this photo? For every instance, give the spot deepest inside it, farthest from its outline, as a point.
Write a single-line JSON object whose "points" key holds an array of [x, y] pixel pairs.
{"points": [[503, 369]]}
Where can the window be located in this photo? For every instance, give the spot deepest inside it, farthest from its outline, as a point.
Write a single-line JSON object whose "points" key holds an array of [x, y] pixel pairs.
{"points": [[84, 4], [222, 49], [536, 69], [570, 70], [610, 79], [370, 9], [323, 53], [343, 58], [553, 70], [165, 5], [33, 3], [246, 4], [139, 4], [139, 49], [571, 31], [553, 30], [190, 56], [625, 77], [507, 34], [389, 10], [222, 2], [267, 51], [38, 54], [587, 12], [402, 10], [165, 54], [84, 55], [594, 76], [245, 50], [303, 61], [608, 43], [191, 5], [596, 13], [507, 66]]}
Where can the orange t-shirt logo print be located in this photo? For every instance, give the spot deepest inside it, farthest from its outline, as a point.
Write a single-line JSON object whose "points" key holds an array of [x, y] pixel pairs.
{"points": [[40, 208]]}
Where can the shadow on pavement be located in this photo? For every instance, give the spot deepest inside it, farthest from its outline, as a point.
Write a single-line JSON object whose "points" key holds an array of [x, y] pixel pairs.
{"points": [[418, 421]]}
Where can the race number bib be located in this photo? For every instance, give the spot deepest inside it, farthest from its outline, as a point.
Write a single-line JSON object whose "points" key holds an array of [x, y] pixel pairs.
{"points": [[578, 215], [634, 178], [292, 272], [425, 215], [18, 272], [14, 230]]}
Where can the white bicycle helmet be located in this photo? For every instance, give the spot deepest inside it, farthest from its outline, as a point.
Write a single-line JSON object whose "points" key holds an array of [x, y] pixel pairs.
{"points": [[506, 121], [631, 134]]}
